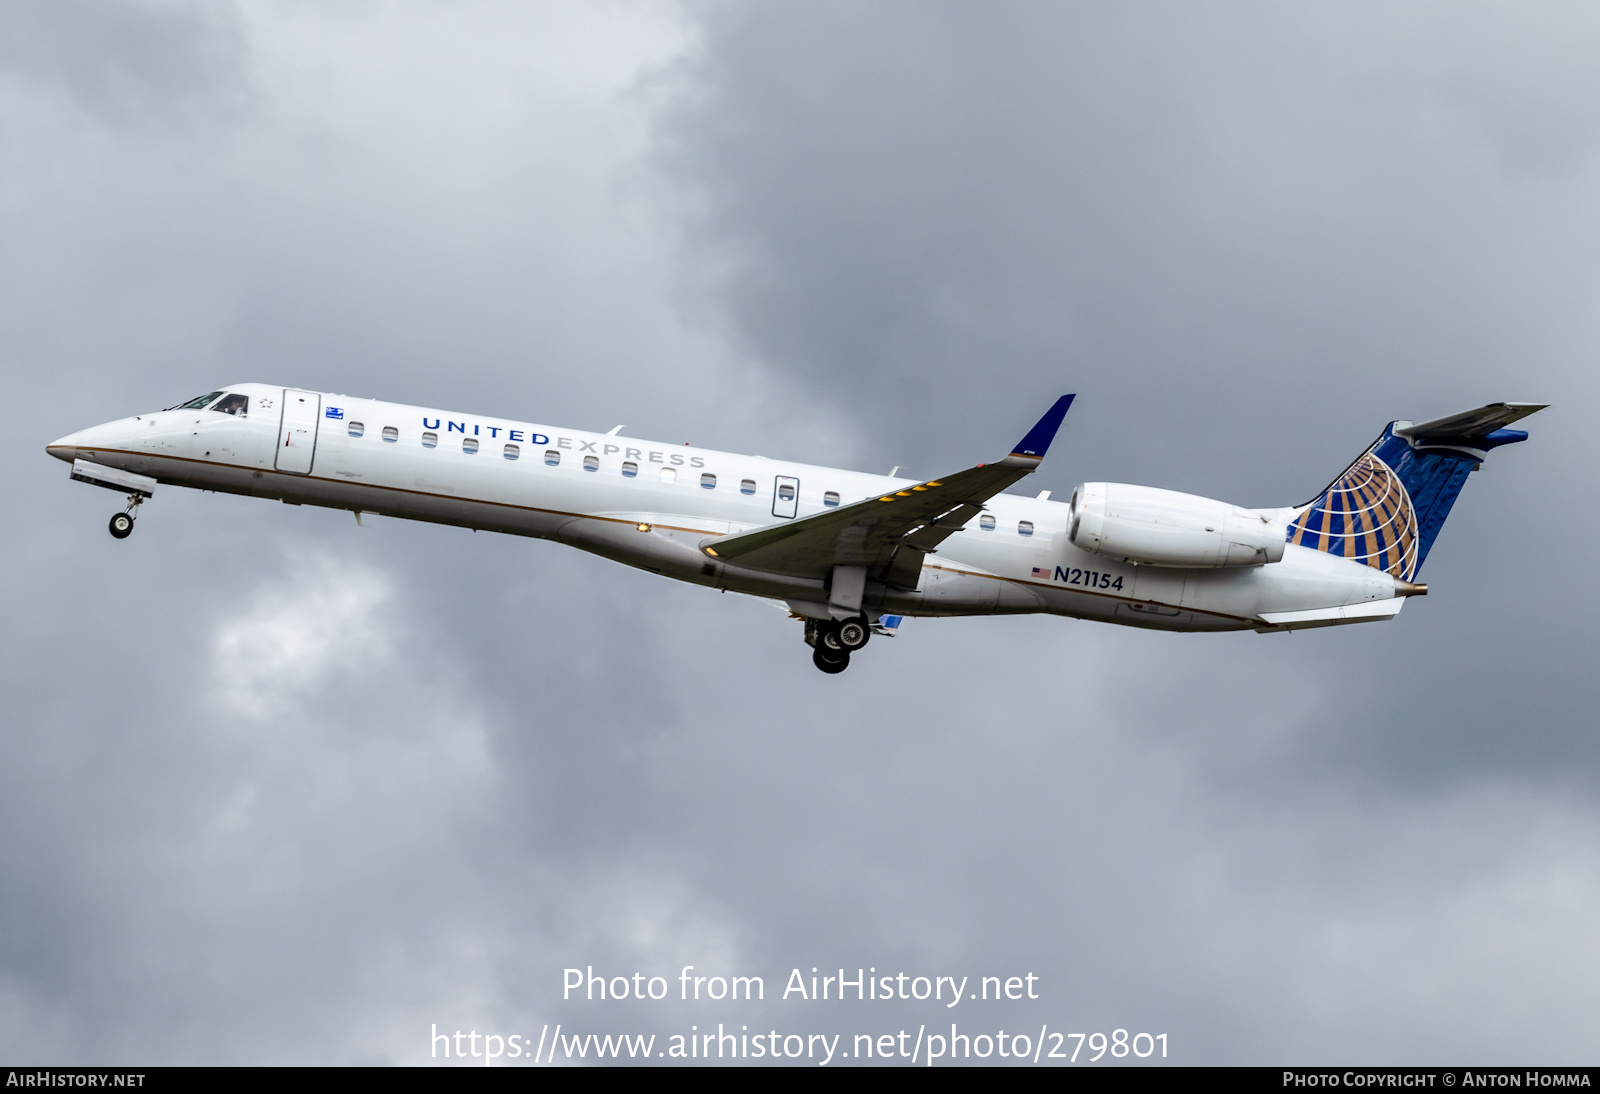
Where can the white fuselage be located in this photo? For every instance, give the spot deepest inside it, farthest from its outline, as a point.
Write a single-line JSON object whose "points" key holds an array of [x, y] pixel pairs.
{"points": [[645, 503]]}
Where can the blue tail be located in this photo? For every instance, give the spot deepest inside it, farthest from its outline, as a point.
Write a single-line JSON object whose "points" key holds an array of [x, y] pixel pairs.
{"points": [[1388, 506]]}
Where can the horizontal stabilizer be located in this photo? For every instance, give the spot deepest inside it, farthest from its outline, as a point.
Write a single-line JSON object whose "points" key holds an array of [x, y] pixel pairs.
{"points": [[1470, 424]]}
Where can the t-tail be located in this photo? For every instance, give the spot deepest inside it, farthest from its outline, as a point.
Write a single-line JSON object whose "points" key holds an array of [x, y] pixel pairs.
{"points": [[1388, 506]]}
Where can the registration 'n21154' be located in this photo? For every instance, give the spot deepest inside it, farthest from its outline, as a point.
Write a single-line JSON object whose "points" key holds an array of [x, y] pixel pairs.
{"points": [[1092, 579]]}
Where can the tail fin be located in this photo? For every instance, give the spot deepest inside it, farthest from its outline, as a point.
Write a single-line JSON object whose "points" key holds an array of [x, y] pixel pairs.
{"points": [[1388, 506]]}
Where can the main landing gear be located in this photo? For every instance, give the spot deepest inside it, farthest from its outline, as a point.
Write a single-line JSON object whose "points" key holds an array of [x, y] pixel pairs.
{"points": [[122, 523], [833, 641]]}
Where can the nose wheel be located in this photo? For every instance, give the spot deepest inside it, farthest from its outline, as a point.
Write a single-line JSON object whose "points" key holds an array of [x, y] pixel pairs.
{"points": [[122, 523]]}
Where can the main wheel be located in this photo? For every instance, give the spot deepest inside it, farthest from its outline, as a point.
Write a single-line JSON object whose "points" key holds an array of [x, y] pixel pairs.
{"points": [[828, 635], [830, 661], [122, 526], [853, 633]]}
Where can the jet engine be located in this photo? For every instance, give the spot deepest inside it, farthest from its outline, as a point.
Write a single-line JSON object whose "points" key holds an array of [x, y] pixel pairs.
{"points": [[1141, 524]]}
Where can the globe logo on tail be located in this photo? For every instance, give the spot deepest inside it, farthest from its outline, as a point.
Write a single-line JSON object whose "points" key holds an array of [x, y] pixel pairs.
{"points": [[1365, 516]]}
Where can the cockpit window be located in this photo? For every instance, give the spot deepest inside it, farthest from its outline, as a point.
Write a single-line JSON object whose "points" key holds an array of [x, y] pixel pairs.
{"points": [[236, 404], [198, 404]]}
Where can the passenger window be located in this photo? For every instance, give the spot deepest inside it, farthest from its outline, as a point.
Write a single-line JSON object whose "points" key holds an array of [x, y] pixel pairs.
{"points": [[469, 445], [747, 486], [831, 498], [669, 474], [591, 463], [236, 405], [986, 522], [512, 451], [1024, 527], [430, 440], [357, 429], [198, 404], [552, 457], [391, 434], [630, 470], [708, 481], [785, 491]]}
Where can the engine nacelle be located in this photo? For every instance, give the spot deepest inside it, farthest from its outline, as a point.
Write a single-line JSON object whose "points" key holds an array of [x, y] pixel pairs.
{"points": [[1165, 528]]}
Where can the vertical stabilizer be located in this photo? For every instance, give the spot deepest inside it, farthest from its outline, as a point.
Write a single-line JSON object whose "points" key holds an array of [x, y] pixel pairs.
{"points": [[1387, 508]]}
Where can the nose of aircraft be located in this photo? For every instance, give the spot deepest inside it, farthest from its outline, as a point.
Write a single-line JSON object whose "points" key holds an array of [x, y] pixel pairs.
{"points": [[98, 439], [66, 448]]}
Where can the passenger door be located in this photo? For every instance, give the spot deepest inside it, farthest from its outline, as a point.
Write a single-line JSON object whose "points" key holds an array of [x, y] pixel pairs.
{"points": [[785, 496], [297, 431]]}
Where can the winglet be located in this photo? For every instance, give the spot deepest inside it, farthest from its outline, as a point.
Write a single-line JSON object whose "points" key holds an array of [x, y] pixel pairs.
{"points": [[1037, 442]]}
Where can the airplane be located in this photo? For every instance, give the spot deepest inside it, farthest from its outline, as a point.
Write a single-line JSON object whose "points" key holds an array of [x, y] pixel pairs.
{"points": [[849, 554]]}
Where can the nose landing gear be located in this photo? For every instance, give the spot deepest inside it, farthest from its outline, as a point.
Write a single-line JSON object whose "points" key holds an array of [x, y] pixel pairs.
{"points": [[122, 523], [832, 642]]}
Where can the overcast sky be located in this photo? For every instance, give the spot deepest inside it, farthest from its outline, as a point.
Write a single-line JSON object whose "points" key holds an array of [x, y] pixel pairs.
{"points": [[278, 789]]}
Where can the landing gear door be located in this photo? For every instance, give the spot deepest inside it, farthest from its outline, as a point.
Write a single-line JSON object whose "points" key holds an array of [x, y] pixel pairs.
{"points": [[785, 496], [297, 431]]}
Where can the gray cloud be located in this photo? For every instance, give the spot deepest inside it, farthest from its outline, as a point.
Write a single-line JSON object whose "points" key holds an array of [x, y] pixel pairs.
{"points": [[127, 62], [275, 788], [940, 213]]}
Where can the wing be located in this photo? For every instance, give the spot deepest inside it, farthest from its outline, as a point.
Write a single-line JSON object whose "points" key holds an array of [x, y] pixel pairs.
{"points": [[892, 533]]}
